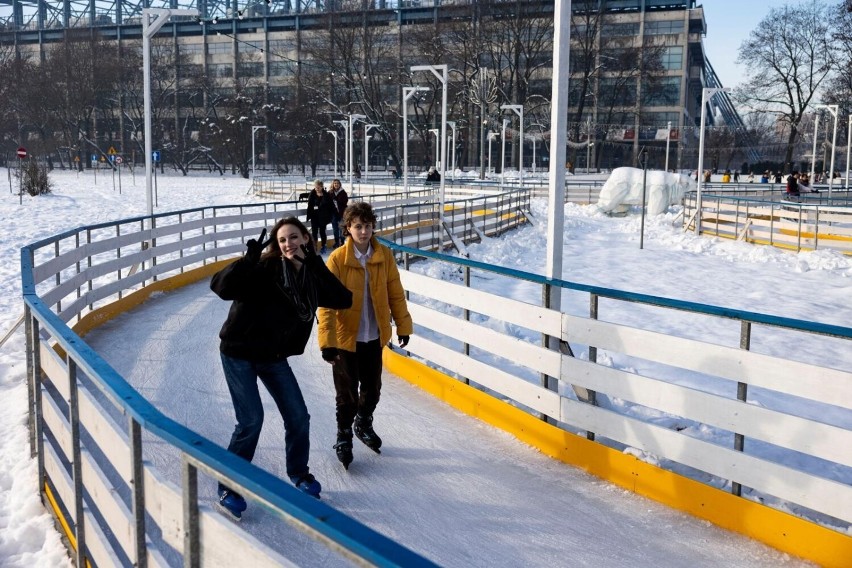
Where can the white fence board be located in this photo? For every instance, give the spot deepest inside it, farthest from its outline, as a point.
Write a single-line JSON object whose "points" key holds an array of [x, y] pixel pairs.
{"points": [[822, 384], [820, 494], [519, 313], [219, 539], [108, 502], [510, 386], [97, 543], [516, 350], [54, 367], [163, 503], [63, 485], [105, 433], [58, 425], [822, 440]]}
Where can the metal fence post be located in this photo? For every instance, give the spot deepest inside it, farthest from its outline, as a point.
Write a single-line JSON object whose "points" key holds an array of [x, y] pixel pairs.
{"points": [[191, 548], [137, 482], [76, 464], [742, 394]]}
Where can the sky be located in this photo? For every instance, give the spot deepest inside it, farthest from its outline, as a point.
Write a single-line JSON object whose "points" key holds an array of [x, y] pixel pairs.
{"points": [[729, 23], [457, 502]]}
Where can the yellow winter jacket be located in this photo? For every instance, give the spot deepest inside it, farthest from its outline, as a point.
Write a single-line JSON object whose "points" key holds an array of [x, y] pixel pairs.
{"points": [[339, 328]]}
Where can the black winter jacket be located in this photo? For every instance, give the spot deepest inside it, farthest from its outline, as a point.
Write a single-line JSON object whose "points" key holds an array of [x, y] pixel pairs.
{"points": [[262, 324], [320, 207]]}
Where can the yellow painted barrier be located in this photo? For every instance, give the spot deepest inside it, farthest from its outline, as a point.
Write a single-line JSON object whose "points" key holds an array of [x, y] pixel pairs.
{"points": [[778, 529]]}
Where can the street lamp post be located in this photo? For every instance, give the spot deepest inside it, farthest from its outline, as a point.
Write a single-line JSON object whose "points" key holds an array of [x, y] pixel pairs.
{"points": [[588, 155], [503, 152], [813, 152], [334, 133], [253, 130], [705, 93], [149, 28], [437, 134], [452, 124], [519, 110], [848, 148], [833, 109], [440, 72], [668, 139], [353, 118], [493, 135], [644, 158], [367, 128], [345, 125], [407, 93]]}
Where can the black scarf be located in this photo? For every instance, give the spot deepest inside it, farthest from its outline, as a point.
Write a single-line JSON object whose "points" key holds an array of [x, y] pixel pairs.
{"points": [[299, 289]]}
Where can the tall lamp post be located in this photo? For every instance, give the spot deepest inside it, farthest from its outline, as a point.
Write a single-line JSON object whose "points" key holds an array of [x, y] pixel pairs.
{"points": [[668, 139], [334, 133], [813, 152], [367, 128], [437, 133], [440, 72], [452, 124], [503, 152], [644, 159], [353, 118], [253, 154], [407, 93], [589, 155], [705, 94], [493, 135], [848, 148], [345, 125], [519, 110], [149, 28], [833, 109]]}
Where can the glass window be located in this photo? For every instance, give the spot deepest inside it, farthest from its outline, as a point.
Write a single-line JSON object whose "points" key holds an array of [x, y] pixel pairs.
{"points": [[620, 30], [663, 92], [225, 47], [221, 70], [664, 27], [672, 58]]}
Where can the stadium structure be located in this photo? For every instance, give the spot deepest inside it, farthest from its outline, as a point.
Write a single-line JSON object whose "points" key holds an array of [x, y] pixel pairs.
{"points": [[275, 33]]}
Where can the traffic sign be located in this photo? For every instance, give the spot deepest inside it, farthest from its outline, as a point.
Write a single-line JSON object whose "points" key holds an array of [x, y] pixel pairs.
{"points": [[118, 159], [94, 157], [155, 155], [112, 151], [76, 158], [112, 157], [22, 153]]}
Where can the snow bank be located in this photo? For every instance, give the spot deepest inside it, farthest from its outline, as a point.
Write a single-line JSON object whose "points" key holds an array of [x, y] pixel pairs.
{"points": [[624, 187]]}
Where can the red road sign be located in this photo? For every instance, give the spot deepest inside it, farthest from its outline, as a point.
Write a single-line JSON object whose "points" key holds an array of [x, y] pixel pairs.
{"points": [[22, 152]]}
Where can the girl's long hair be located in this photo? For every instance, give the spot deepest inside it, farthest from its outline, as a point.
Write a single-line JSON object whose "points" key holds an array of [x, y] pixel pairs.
{"points": [[274, 249]]}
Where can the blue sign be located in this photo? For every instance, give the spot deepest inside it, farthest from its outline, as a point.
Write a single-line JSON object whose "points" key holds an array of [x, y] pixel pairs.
{"points": [[111, 158], [155, 155], [94, 157]]}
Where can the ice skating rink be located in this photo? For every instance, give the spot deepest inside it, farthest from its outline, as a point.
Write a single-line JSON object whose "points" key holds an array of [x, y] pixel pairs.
{"points": [[449, 487]]}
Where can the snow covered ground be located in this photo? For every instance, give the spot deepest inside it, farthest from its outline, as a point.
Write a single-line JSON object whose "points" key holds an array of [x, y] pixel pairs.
{"points": [[479, 487]]}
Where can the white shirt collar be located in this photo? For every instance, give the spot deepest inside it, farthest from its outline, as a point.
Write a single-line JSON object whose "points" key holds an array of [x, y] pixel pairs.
{"points": [[359, 254]]}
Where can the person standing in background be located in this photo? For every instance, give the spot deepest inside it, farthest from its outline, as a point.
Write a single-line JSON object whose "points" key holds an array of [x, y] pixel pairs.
{"points": [[319, 213], [339, 201]]}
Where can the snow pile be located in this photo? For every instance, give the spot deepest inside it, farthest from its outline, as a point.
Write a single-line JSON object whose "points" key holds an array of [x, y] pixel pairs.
{"points": [[624, 187]]}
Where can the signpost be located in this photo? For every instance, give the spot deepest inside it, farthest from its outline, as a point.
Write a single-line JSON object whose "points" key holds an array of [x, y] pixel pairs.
{"points": [[22, 155], [118, 161], [155, 156]]}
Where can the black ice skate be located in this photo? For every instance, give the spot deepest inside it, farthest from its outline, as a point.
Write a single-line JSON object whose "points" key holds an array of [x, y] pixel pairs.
{"points": [[343, 447], [364, 431]]}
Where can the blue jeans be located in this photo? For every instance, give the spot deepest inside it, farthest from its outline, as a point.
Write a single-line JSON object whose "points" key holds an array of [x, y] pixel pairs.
{"points": [[335, 228], [279, 380]]}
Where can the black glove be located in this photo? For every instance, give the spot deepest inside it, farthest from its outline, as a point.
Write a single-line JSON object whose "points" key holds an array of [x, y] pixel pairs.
{"points": [[254, 248], [330, 354], [309, 253], [403, 340]]}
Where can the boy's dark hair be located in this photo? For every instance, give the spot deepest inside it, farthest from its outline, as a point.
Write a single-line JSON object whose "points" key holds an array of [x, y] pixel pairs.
{"points": [[360, 210]]}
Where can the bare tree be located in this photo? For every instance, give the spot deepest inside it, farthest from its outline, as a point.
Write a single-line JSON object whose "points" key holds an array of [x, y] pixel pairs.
{"points": [[791, 54]]}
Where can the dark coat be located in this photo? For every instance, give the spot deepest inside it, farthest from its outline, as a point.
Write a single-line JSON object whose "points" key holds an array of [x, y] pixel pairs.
{"points": [[320, 208], [262, 324], [792, 185], [339, 201]]}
